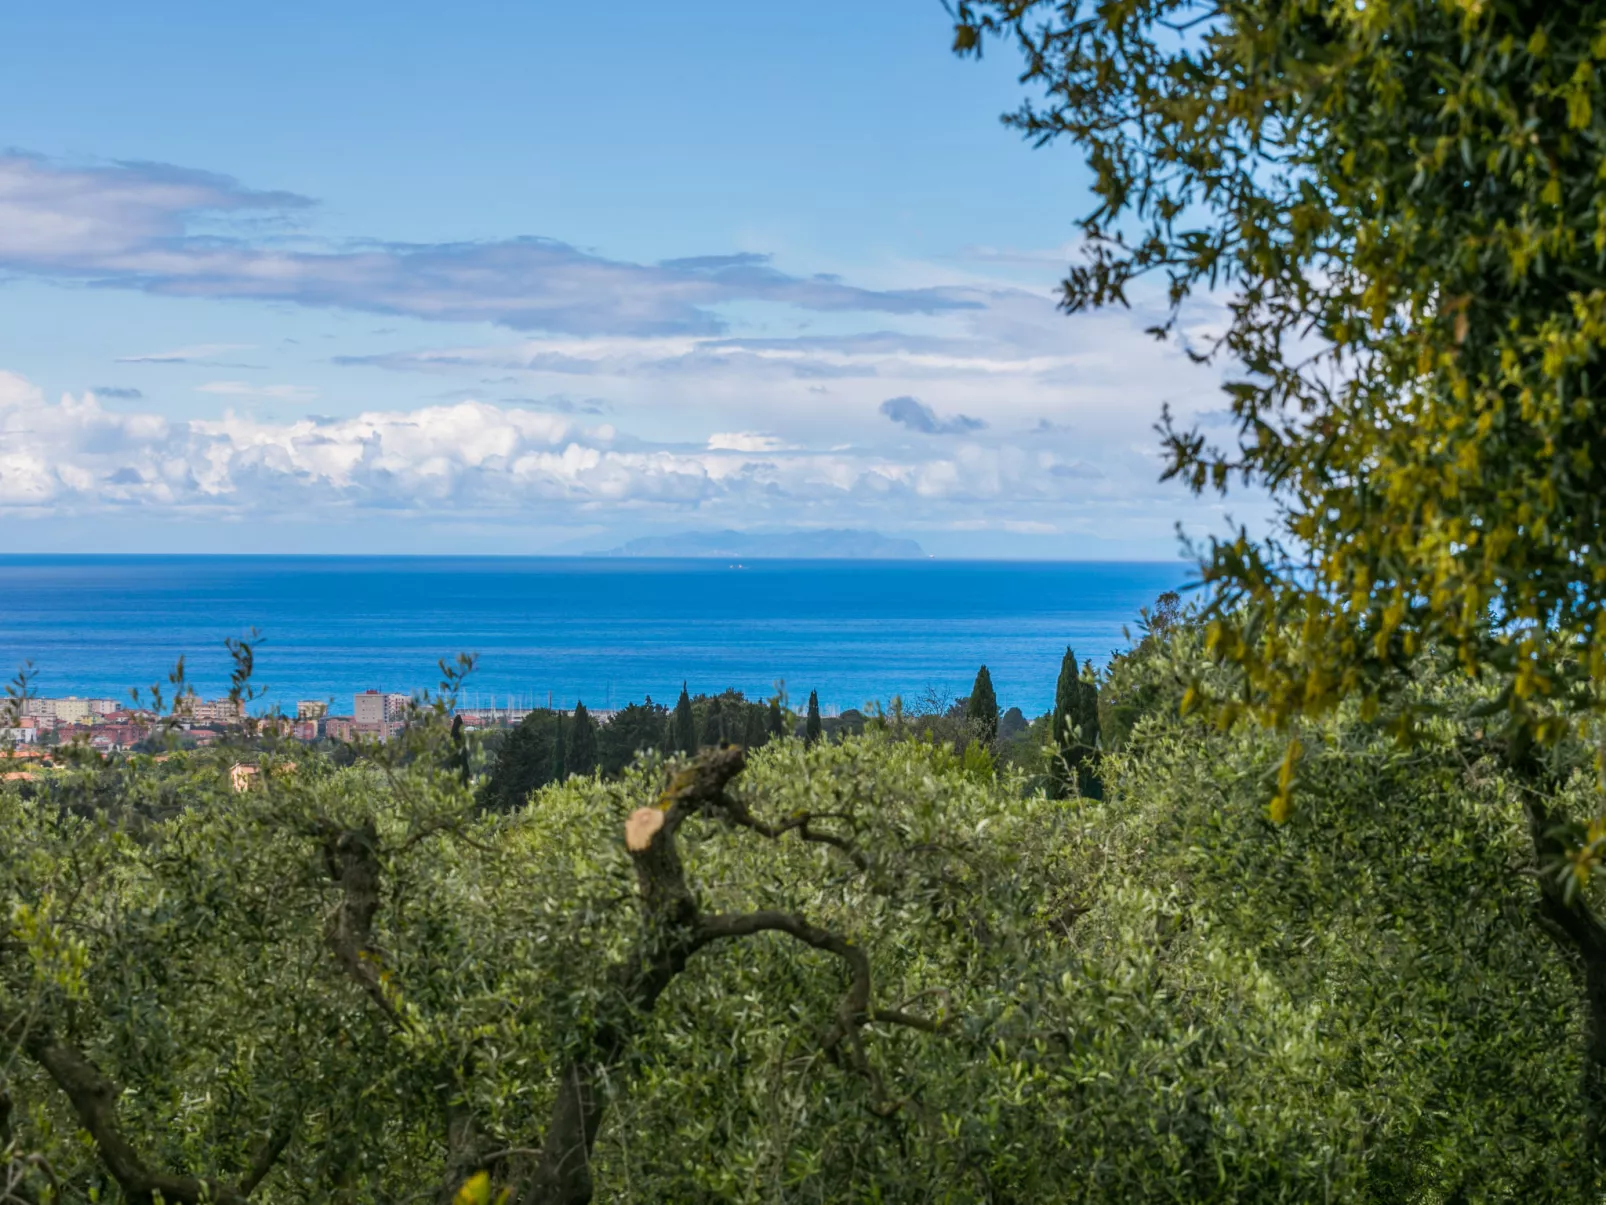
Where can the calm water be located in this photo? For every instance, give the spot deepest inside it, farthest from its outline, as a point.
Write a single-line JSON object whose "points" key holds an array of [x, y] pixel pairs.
{"points": [[602, 630]]}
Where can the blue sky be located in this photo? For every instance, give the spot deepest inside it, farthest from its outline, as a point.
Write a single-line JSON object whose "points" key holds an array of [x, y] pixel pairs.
{"points": [[541, 278]]}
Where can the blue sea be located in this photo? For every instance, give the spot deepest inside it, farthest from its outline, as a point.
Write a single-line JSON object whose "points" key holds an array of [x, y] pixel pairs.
{"points": [[603, 630]]}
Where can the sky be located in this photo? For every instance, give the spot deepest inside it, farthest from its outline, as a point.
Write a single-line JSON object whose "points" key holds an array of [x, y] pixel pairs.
{"points": [[544, 278]]}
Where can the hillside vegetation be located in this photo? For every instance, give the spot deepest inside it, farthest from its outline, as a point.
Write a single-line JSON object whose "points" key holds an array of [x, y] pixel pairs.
{"points": [[869, 969]]}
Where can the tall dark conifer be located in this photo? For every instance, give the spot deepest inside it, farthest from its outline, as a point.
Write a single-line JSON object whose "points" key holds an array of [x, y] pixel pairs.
{"points": [[1087, 778], [1062, 771], [683, 726], [580, 752], [713, 723], [981, 708], [560, 751], [1076, 732], [777, 720], [812, 728], [756, 731]]}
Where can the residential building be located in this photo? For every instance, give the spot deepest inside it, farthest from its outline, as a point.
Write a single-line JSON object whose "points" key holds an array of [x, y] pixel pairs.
{"points": [[338, 727], [377, 715], [71, 710], [311, 709], [213, 711]]}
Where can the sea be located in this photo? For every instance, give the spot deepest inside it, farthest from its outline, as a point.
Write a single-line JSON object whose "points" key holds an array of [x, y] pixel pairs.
{"points": [[556, 630]]}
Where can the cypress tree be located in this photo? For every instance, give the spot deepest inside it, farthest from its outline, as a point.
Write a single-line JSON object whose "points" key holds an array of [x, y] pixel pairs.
{"points": [[560, 761], [1088, 782], [812, 728], [982, 707], [1075, 732], [683, 726], [580, 753], [777, 720], [713, 723], [1067, 691], [757, 732]]}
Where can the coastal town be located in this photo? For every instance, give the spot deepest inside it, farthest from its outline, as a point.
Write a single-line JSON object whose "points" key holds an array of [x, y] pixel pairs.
{"points": [[33, 726]]}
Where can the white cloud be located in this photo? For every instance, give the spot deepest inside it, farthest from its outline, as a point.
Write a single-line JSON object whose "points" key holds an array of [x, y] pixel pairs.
{"points": [[745, 441], [516, 465]]}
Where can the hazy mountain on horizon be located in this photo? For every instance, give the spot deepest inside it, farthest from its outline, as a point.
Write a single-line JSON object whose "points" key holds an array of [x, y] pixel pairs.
{"points": [[827, 544]]}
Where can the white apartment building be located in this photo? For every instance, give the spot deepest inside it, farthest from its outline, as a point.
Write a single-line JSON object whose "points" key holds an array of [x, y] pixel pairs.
{"points": [[311, 709]]}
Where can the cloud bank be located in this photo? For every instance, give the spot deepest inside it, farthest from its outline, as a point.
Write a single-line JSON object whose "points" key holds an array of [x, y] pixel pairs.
{"points": [[75, 457]]}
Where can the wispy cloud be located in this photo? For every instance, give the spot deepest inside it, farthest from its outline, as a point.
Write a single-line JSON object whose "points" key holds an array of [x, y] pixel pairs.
{"points": [[201, 353], [287, 393], [134, 225], [917, 416], [121, 392]]}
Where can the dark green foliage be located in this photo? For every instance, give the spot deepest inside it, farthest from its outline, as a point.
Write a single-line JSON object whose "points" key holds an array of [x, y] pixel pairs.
{"points": [[849, 722], [811, 726], [777, 721], [633, 730], [757, 732], [981, 709], [1126, 698], [523, 761], [1025, 748], [580, 750], [714, 731], [683, 725], [1088, 783], [1012, 723], [560, 750], [1076, 730]]}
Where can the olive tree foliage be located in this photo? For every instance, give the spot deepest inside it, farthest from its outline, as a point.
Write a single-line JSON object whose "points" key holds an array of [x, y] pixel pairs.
{"points": [[354, 984], [1385, 914], [1400, 204], [855, 970]]}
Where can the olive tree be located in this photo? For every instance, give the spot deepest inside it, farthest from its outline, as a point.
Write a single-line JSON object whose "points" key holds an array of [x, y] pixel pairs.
{"points": [[358, 982], [1399, 205]]}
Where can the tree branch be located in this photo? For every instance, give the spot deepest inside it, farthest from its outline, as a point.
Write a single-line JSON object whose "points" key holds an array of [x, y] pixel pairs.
{"points": [[94, 1101], [737, 812], [352, 859], [673, 929], [853, 1012]]}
